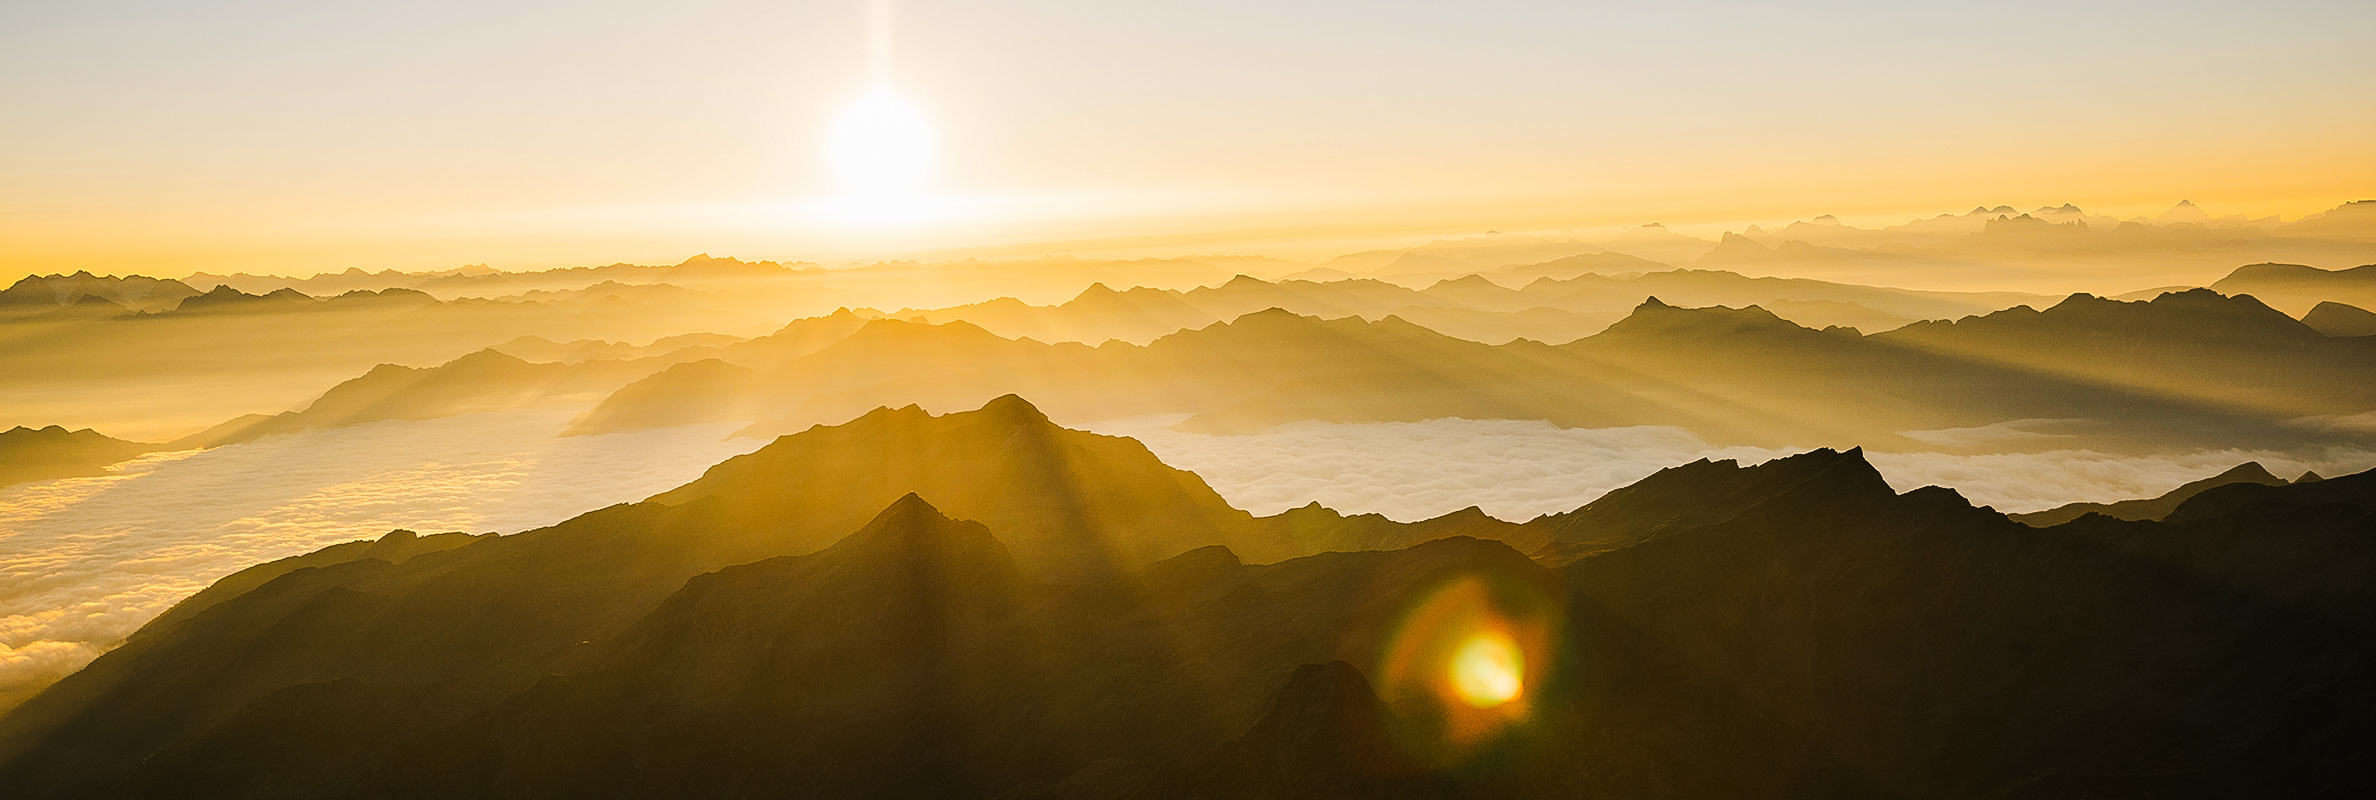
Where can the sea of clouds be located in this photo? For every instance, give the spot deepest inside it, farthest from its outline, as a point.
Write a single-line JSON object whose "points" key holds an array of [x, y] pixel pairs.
{"points": [[85, 561], [1517, 469]]}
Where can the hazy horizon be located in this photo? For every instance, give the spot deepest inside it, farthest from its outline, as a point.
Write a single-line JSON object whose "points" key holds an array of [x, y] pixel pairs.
{"points": [[1294, 399], [264, 137]]}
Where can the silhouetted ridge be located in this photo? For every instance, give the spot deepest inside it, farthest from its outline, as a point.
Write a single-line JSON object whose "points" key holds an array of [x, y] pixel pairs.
{"points": [[1657, 320], [813, 626], [1015, 409], [2337, 319], [1706, 492], [2356, 492], [2156, 507]]}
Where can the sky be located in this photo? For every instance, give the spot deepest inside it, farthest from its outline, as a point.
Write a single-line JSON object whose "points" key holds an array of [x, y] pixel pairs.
{"points": [[301, 137]]}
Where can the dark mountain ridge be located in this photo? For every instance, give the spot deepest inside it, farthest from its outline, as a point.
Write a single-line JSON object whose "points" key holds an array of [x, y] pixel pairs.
{"points": [[2153, 508], [1828, 635]]}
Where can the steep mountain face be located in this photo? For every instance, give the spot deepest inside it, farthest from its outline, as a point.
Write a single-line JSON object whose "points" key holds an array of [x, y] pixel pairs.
{"points": [[36, 454], [2152, 507], [1825, 635], [2337, 319], [1699, 494]]}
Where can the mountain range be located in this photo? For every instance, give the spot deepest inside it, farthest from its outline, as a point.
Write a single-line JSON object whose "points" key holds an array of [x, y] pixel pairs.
{"points": [[986, 604], [2221, 370], [2154, 508], [2196, 366], [2298, 289]]}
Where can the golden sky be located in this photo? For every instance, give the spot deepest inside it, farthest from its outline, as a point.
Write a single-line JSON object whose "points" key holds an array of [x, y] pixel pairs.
{"points": [[299, 137]]}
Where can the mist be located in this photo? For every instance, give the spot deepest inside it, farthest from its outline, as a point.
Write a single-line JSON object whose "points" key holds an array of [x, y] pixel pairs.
{"points": [[85, 561]]}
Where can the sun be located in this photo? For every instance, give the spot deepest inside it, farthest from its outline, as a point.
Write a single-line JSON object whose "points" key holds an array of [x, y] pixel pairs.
{"points": [[881, 146]]}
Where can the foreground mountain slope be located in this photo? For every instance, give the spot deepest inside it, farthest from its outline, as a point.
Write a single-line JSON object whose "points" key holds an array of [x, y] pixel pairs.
{"points": [[1073, 505], [1863, 643], [1827, 635]]}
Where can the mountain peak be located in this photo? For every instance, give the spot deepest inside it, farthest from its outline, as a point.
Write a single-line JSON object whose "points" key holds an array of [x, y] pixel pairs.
{"points": [[910, 510], [1656, 318], [912, 530], [2248, 471], [1011, 408]]}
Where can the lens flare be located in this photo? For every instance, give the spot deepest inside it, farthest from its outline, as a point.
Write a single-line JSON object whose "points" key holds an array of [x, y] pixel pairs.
{"points": [[1489, 670], [1467, 660]]}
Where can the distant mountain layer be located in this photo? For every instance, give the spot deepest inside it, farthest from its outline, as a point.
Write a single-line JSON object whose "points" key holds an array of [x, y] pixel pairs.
{"points": [[133, 293], [488, 380], [2297, 289], [34, 454], [2337, 319], [984, 604], [2152, 508], [1998, 246], [1548, 309], [2194, 365]]}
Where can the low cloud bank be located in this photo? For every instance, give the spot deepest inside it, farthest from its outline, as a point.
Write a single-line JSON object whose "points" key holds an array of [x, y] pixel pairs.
{"points": [[85, 561]]}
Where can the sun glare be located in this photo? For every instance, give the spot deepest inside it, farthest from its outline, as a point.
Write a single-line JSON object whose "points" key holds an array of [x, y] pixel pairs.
{"points": [[881, 146], [1489, 670]]}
